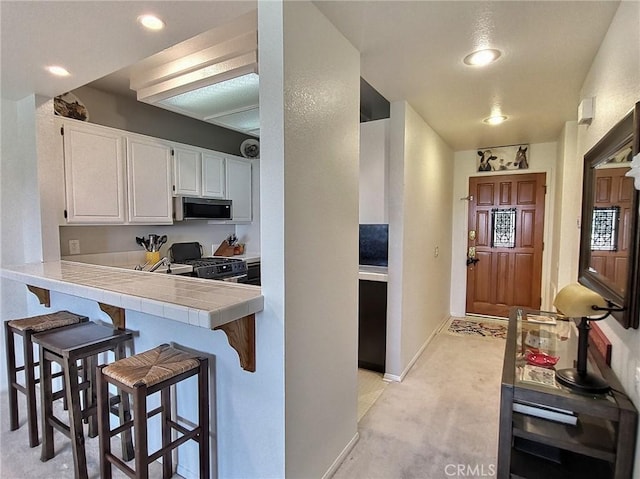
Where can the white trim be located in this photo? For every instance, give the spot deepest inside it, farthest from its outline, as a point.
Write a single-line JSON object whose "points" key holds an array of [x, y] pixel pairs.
{"points": [[399, 379], [341, 457]]}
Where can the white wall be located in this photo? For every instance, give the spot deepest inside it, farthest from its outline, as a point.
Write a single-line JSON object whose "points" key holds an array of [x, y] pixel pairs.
{"points": [[542, 158], [420, 179], [566, 226], [317, 169], [614, 81], [374, 172]]}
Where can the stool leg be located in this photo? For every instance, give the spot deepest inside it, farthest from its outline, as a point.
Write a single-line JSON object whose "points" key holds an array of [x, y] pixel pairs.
{"points": [[165, 399], [46, 406], [90, 393], [12, 378], [140, 432], [203, 417], [30, 388], [124, 413], [75, 417], [104, 429]]}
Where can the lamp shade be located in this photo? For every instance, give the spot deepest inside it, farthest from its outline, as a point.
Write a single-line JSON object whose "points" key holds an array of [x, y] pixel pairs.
{"points": [[576, 301]]}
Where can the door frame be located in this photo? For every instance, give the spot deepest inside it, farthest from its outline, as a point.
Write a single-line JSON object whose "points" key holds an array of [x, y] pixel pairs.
{"points": [[459, 234]]}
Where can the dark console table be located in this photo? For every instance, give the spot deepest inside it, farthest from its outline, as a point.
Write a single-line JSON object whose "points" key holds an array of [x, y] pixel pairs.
{"points": [[549, 431]]}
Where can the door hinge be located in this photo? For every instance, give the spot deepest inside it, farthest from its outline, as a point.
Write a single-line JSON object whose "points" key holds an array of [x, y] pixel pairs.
{"points": [[65, 213], [543, 246], [62, 130], [545, 189]]}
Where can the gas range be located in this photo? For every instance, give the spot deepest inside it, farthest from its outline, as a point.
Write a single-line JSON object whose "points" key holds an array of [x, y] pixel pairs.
{"points": [[213, 267], [217, 267]]}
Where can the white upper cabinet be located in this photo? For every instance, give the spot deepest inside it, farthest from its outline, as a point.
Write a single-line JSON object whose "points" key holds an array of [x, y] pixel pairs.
{"points": [[94, 173], [188, 171], [239, 188], [213, 175], [149, 181]]}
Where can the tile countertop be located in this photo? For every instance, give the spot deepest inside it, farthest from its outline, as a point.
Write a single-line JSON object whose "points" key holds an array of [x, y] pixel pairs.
{"points": [[199, 302], [373, 273]]}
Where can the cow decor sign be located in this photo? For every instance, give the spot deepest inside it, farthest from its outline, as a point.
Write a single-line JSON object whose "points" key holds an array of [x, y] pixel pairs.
{"points": [[502, 158]]}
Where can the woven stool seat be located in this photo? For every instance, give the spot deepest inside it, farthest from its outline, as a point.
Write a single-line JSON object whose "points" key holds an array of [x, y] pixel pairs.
{"points": [[45, 322], [151, 367]]}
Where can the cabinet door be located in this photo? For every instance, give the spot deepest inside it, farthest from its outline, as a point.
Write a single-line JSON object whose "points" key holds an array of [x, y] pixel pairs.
{"points": [[187, 167], [149, 181], [239, 188], [94, 174], [213, 178]]}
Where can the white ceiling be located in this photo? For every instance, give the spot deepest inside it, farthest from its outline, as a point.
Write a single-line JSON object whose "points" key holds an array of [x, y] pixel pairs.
{"points": [[409, 50]]}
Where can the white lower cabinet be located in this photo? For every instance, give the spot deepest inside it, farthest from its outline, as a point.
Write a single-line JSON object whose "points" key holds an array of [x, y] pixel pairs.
{"points": [[149, 181], [94, 173], [239, 188]]}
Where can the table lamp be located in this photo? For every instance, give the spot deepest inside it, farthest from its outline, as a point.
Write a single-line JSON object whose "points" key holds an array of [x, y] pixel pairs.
{"points": [[577, 301]]}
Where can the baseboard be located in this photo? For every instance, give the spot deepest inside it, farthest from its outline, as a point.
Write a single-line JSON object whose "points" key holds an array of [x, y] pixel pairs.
{"points": [[341, 457], [398, 379]]}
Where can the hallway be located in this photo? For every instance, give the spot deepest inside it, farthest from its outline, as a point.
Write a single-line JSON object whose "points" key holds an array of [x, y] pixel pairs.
{"points": [[442, 417]]}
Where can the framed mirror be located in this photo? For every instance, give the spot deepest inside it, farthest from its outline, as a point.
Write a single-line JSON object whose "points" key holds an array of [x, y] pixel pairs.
{"points": [[610, 237]]}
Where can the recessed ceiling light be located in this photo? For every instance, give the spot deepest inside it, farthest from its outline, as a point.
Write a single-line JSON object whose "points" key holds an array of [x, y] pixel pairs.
{"points": [[151, 22], [495, 120], [482, 57], [58, 71]]}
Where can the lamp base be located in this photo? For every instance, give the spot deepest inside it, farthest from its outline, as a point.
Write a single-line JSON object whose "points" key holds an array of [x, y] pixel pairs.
{"points": [[586, 383]]}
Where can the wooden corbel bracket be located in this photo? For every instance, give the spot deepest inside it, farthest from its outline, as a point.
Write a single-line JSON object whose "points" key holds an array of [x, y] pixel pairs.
{"points": [[241, 334], [116, 314], [43, 295]]}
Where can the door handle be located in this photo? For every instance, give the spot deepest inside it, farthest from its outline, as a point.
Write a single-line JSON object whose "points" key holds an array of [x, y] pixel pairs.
{"points": [[471, 256]]}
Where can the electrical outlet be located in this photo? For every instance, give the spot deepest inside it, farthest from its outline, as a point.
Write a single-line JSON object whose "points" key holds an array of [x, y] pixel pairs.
{"points": [[74, 246]]}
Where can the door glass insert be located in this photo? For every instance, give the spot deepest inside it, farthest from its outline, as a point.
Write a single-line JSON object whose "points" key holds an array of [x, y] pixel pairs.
{"points": [[503, 228], [604, 231]]}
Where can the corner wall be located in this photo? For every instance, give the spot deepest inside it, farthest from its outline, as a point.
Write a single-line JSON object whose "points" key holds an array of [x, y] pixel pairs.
{"points": [[614, 81], [309, 91], [420, 182]]}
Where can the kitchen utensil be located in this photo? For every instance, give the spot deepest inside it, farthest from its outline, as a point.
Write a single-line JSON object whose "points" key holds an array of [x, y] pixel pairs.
{"points": [[141, 242], [153, 242], [162, 240]]}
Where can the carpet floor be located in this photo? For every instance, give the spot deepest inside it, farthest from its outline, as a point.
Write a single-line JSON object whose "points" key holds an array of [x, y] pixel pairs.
{"points": [[443, 416]]}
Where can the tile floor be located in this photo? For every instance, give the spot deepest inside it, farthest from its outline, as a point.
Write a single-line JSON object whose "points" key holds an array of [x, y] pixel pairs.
{"points": [[370, 387]]}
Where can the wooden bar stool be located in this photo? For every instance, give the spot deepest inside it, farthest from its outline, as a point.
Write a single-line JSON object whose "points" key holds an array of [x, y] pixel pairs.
{"points": [[26, 328], [142, 375], [80, 342]]}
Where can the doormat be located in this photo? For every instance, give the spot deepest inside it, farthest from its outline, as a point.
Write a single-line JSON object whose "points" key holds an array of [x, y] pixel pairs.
{"points": [[483, 328]]}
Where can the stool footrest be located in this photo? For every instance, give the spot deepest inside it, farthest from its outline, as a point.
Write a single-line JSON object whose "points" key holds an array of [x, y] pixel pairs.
{"points": [[172, 445], [121, 465], [60, 426]]}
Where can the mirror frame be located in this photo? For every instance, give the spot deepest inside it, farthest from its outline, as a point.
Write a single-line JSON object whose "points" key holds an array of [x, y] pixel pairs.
{"points": [[624, 131]]}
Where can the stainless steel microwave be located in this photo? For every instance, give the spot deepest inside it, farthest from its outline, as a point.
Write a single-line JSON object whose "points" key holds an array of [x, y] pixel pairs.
{"points": [[188, 208]]}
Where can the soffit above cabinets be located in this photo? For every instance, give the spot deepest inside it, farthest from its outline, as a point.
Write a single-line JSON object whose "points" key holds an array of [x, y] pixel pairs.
{"points": [[212, 77]]}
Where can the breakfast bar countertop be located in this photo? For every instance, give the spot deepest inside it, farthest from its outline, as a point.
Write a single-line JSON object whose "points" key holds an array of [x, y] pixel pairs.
{"points": [[199, 302]]}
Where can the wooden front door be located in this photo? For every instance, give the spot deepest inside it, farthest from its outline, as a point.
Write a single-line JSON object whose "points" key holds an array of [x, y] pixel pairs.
{"points": [[612, 214], [504, 241]]}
